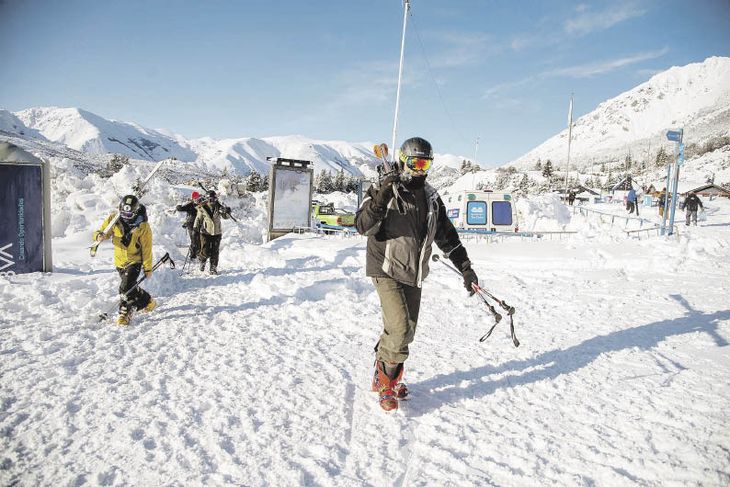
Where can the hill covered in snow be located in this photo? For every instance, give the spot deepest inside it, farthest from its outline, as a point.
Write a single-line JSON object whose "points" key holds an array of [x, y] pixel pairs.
{"points": [[695, 97]]}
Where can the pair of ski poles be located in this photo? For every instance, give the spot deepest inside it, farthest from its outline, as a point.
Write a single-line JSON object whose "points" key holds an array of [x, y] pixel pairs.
{"points": [[485, 296], [122, 297]]}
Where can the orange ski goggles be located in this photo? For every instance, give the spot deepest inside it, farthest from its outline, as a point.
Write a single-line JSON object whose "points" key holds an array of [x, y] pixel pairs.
{"points": [[418, 163]]}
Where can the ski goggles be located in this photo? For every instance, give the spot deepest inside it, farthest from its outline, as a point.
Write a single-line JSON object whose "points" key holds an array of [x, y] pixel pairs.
{"points": [[418, 163]]}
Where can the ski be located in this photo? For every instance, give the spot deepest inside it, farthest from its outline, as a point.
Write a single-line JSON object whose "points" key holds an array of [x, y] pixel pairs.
{"points": [[138, 193]]}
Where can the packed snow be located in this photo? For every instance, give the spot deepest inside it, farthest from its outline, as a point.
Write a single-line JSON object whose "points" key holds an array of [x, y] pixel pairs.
{"points": [[261, 375]]}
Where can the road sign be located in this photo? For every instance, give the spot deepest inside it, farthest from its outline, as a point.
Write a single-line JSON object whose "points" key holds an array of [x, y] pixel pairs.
{"points": [[674, 135]]}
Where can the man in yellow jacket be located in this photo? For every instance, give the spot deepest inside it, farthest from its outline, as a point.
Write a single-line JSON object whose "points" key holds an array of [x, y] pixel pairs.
{"points": [[132, 239]]}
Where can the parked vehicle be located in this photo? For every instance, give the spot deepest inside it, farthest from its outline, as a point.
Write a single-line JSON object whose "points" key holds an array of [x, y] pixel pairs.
{"points": [[481, 210], [327, 214]]}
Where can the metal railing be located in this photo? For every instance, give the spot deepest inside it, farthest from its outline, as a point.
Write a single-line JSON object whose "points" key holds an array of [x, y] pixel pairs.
{"points": [[605, 216]]}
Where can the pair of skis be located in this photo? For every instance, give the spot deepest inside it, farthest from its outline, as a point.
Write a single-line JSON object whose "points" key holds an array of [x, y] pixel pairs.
{"points": [[389, 168]]}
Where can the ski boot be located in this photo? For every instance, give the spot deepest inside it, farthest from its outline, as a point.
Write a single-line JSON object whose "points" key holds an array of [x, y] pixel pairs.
{"points": [[389, 389], [213, 271], [125, 316], [202, 266], [150, 306]]}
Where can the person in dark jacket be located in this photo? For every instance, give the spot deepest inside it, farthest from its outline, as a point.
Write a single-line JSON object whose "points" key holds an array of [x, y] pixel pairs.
{"points": [[691, 204], [208, 223], [401, 219], [191, 209]]}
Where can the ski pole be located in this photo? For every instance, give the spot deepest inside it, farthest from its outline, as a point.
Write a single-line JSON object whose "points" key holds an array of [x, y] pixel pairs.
{"points": [[165, 258], [483, 294], [182, 271]]}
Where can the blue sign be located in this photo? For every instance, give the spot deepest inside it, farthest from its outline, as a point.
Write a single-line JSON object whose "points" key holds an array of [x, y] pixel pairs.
{"points": [[21, 218], [476, 213], [674, 135], [453, 213]]}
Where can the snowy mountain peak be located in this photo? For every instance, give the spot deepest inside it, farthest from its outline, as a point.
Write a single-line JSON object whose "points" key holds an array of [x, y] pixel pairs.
{"points": [[695, 97]]}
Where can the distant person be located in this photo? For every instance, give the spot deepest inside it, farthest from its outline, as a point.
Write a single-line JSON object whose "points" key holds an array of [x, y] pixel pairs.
{"points": [[691, 204], [191, 208], [632, 203], [208, 223], [571, 197], [402, 218], [662, 201], [132, 239]]}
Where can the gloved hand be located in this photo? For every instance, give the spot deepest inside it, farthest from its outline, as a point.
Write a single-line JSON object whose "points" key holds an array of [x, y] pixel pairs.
{"points": [[147, 274], [385, 193], [470, 277], [100, 237]]}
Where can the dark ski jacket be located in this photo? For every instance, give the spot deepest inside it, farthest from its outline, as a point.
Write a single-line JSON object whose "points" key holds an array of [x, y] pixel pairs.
{"points": [[191, 209], [692, 202], [399, 245]]}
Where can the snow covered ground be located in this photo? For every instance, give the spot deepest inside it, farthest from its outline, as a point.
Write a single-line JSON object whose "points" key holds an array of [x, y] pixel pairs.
{"points": [[260, 376]]}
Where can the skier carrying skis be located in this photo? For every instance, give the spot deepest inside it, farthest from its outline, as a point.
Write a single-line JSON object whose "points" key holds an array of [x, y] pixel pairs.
{"points": [[132, 239], [401, 220], [208, 223], [191, 208]]}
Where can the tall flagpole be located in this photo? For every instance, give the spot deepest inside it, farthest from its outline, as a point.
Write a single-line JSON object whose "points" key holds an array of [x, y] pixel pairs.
{"points": [[570, 136], [406, 8]]}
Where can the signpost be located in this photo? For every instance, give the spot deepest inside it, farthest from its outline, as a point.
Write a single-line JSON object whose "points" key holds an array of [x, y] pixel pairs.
{"points": [[676, 137]]}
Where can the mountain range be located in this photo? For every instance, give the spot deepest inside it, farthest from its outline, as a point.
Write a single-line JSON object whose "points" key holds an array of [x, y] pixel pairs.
{"points": [[695, 97]]}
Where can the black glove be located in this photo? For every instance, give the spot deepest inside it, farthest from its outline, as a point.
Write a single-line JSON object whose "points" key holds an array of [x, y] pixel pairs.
{"points": [[385, 193], [470, 277]]}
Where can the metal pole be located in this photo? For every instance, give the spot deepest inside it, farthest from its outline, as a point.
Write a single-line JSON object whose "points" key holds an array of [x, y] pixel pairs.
{"points": [[407, 6], [666, 199], [570, 133], [476, 148]]}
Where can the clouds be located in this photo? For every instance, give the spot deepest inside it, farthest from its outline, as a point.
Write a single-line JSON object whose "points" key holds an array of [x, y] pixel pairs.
{"points": [[577, 71], [588, 21], [601, 67]]}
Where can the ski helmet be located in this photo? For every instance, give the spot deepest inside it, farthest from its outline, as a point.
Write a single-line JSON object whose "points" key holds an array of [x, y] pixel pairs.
{"points": [[195, 196], [415, 148], [129, 207]]}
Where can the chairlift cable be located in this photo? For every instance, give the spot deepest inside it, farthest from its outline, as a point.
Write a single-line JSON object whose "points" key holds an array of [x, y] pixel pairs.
{"points": [[438, 90]]}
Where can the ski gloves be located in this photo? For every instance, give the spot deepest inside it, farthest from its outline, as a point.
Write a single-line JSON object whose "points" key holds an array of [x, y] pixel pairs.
{"points": [[470, 277], [385, 193]]}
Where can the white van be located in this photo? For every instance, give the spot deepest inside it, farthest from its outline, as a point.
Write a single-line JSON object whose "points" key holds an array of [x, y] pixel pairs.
{"points": [[481, 210]]}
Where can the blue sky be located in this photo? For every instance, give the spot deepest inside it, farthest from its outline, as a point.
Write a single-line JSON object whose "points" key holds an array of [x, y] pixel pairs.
{"points": [[502, 71]]}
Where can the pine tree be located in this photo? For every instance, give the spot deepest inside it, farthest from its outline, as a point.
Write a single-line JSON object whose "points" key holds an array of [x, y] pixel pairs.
{"points": [[325, 182], [662, 158], [254, 182], [547, 170], [538, 165], [117, 162], [339, 182], [524, 185]]}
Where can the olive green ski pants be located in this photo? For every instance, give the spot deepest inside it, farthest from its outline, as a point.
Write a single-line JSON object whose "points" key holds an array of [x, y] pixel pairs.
{"points": [[400, 304]]}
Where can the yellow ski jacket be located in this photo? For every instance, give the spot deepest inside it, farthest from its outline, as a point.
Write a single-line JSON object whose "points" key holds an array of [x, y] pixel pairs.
{"points": [[139, 249]]}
